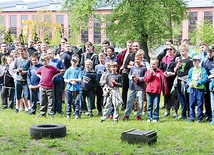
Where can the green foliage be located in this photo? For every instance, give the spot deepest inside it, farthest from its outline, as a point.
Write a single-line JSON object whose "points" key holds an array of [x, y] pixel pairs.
{"points": [[145, 21], [140, 20], [81, 12], [23, 39], [35, 35], [46, 38], [2, 25], [204, 31], [55, 40], [8, 36]]}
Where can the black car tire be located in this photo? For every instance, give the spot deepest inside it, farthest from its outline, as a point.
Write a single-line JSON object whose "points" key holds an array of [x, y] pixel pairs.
{"points": [[48, 130]]}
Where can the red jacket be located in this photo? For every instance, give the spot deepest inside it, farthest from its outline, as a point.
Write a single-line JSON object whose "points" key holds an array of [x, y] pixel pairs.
{"points": [[156, 83], [120, 57]]}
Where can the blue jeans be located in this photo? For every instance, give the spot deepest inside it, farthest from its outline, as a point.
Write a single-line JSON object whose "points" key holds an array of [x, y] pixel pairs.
{"points": [[196, 97], [58, 96], [139, 96], [153, 102], [212, 104], [34, 96], [73, 99]]}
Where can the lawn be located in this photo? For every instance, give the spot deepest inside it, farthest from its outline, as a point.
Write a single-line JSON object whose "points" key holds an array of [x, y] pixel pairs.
{"points": [[88, 136]]}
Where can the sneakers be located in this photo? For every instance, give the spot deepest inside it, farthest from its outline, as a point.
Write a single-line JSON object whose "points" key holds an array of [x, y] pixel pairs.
{"points": [[110, 116], [189, 120], [125, 118], [181, 117], [91, 114], [148, 120], [138, 118], [212, 122], [31, 112], [208, 119], [102, 120], [167, 113], [68, 116], [154, 121], [175, 115], [77, 117]]}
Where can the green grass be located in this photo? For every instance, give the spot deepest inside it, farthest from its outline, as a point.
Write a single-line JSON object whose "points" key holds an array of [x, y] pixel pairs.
{"points": [[88, 136]]}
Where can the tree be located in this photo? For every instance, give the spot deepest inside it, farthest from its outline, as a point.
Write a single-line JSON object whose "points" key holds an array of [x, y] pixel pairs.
{"points": [[21, 38], [8, 36], [204, 31], [55, 40], [141, 20], [46, 38], [35, 35]]}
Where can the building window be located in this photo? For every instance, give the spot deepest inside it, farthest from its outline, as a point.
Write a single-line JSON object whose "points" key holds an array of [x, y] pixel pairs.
{"points": [[97, 31], [13, 25], [60, 20], [23, 17], [208, 15], [193, 17], [84, 36]]}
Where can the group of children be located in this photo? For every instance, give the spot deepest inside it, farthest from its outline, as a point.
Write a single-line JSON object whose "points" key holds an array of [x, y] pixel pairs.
{"points": [[33, 82]]}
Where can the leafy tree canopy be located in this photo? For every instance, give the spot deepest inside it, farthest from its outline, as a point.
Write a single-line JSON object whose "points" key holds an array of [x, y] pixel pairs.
{"points": [[140, 20], [204, 32]]}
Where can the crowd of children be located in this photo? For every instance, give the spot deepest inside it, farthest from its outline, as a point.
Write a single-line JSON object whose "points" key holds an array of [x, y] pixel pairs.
{"points": [[43, 76]]}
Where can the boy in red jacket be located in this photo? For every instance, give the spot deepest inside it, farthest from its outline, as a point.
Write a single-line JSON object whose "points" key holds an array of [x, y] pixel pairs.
{"points": [[156, 82]]}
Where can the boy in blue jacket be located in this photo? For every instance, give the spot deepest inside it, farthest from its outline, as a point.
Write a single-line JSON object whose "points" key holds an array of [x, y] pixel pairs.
{"points": [[197, 77], [33, 83]]}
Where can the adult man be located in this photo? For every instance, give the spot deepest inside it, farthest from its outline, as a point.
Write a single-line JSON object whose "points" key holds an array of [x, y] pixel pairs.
{"points": [[30, 49], [105, 45], [208, 64], [4, 53], [129, 62], [16, 44], [62, 46], [67, 55], [89, 54], [124, 71]]}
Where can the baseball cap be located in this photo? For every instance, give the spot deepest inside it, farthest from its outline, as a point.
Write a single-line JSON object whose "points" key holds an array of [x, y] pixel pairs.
{"points": [[75, 59], [196, 57]]}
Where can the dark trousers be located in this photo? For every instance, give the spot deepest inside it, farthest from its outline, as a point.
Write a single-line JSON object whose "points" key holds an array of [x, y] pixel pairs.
{"points": [[34, 97], [169, 98], [125, 88], [5, 93], [183, 98], [207, 102], [90, 98], [99, 93], [58, 96]]}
